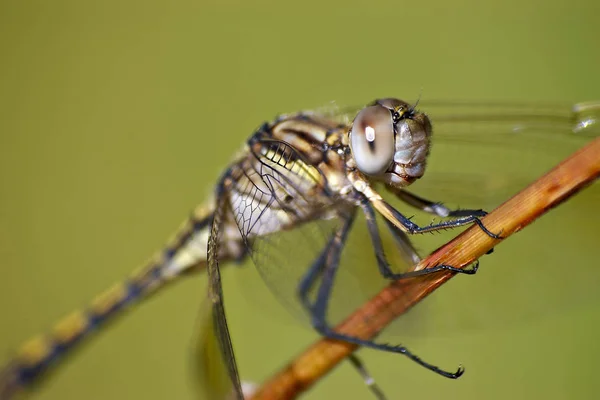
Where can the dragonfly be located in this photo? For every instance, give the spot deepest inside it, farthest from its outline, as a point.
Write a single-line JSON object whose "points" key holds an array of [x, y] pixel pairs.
{"points": [[290, 200]]}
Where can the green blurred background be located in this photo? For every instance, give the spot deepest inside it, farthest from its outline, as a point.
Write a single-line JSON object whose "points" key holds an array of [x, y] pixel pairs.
{"points": [[116, 118]]}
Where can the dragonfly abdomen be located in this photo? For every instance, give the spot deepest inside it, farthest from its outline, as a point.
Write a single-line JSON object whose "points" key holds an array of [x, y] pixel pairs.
{"points": [[183, 253]]}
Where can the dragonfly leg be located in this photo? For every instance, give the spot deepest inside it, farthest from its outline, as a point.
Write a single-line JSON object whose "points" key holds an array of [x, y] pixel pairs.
{"points": [[432, 207], [316, 269], [403, 242], [318, 311], [308, 282], [310, 277], [404, 223], [382, 263], [367, 378], [330, 254]]}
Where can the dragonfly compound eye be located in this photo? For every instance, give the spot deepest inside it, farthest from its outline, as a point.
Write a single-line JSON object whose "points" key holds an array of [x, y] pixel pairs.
{"points": [[372, 140]]}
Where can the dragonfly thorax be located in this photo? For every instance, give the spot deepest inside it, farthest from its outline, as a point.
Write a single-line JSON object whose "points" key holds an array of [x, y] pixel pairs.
{"points": [[389, 141]]}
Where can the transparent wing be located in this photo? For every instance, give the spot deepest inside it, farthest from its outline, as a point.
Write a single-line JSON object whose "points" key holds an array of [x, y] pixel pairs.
{"points": [[483, 153], [214, 381], [220, 331], [493, 149], [211, 372]]}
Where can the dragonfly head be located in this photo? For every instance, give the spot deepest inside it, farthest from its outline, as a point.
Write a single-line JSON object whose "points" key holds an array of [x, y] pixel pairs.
{"points": [[389, 141]]}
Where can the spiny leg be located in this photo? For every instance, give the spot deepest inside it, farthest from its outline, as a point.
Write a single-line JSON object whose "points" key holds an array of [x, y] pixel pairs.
{"points": [[319, 309], [405, 224], [332, 249], [433, 207], [310, 277], [410, 227], [384, 267], [307, 283], [316, 269]]}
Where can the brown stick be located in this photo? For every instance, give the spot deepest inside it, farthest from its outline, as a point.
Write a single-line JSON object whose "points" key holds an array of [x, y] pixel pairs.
{"points": [[547, 192]]}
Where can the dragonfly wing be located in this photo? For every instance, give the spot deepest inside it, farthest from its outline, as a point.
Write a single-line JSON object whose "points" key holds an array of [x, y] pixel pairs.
{"points": [[215, 296], [483, 153], [215, 382]]}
